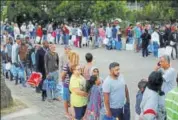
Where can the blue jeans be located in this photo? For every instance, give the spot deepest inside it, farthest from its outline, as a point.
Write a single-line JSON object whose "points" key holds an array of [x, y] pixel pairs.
{"points": [[155, 49], [50, 94], [55, 77], [57, 38]]}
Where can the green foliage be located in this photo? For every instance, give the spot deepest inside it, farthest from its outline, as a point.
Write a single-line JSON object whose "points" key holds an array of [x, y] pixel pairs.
{"points": [[89, 10], [156, 10]]}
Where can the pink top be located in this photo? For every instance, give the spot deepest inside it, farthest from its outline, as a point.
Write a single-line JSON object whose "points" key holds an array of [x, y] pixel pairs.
{"points": [[102, 33]]}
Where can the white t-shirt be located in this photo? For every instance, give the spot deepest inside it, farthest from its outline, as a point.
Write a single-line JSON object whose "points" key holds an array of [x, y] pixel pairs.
{"points": [[79, 32], [16, 30], [30, 27], [169, 83], [155, 37]]}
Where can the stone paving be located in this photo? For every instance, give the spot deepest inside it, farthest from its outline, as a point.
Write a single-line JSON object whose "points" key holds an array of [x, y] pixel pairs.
{"points": [[132, 65]]}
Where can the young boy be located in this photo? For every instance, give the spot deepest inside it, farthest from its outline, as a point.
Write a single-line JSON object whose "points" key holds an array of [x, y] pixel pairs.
{"points": [[141, 86]]}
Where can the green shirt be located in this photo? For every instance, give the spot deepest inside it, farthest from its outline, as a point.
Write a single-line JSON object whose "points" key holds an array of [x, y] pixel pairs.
{"points": [[172, 104], [77, 100]]}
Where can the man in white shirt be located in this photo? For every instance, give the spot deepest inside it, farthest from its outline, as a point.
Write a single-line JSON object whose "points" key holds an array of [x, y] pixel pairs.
{"points": [[31, 28], [155, 42], [16, 30], [169, 74], [23, 28], [79, 35]]}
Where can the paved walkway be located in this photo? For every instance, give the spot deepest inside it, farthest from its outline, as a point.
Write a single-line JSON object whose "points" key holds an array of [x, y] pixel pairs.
{"points": [[133, 66]]}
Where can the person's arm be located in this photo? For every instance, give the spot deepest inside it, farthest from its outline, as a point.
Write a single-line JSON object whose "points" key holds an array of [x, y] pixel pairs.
{"points": [[37, 60], [57, 60], [106, 93], [79, 92], [64, 72], [107, 105], [46, 63], [127, 94]]}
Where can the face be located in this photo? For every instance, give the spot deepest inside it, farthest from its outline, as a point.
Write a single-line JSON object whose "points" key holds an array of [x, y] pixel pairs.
{"points": [[53, 48], [98, 82], [95, 72], [77, 70], [115, 71], [163, 63], [18, 42], [67, 50], [46, 45]]}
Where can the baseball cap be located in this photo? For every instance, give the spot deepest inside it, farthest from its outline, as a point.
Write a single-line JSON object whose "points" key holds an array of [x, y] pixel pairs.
{"points": [[18, 37]]}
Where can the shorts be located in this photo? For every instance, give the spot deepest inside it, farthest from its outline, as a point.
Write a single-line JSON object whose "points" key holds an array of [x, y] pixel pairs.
{"points": [[117, 113], [66, 94], [79, 112]]}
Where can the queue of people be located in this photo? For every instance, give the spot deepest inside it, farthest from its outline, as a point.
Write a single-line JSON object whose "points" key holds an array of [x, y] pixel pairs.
{"points": [[85, 94]]}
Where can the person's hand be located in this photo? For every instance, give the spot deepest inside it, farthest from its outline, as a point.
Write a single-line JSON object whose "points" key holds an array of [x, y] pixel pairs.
{"points": [[108, 113], [85, 94], [157, 68]]}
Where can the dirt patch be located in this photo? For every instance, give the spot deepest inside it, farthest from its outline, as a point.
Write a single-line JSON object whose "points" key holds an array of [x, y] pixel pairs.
{"points": [[17, 105]]}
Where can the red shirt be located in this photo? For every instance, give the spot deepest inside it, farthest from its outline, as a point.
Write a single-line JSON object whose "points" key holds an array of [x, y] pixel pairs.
{"points": [[39, 32], [66, 31]]}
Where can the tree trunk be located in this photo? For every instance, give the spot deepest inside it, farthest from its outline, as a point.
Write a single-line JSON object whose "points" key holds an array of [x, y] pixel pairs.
{"points": [[6, 97]]}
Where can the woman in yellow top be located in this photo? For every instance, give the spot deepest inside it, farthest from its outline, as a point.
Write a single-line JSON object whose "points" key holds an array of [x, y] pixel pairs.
{"points": [[78, 94]]}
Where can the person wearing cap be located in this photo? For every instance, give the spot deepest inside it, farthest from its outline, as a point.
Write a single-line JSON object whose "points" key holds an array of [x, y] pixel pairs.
{"points": [[64, 57], [14, 56], [16, 30], [51, 62]]}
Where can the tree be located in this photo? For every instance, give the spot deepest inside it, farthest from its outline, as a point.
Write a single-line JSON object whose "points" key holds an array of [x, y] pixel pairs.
{"points": [[6, 98]]}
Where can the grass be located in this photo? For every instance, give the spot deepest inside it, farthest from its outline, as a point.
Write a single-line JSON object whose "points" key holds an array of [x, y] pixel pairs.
{"points": [[17, 105]]}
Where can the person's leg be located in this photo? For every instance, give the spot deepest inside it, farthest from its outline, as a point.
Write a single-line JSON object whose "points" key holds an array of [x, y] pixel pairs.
{"points": [[66, 99], [49, 95], [146, 51], [79, 112], [143, 52], [176, 50], [80, 41]]}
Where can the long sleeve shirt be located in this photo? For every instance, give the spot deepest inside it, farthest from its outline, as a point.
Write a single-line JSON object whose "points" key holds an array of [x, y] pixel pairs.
{"points": [[15, 51], [51, 62]]}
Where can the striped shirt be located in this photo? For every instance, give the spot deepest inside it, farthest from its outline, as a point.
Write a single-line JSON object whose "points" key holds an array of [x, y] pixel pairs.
{"points": [[67, 77], [172, 104]]}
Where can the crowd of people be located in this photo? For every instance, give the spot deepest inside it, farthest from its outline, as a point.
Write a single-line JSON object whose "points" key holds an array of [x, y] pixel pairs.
{"points": [[146, 37], [85, 94]]}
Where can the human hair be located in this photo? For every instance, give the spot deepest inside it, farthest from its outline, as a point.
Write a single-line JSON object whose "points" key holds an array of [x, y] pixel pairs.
{"points": [[155, 81], [113, 65], [167, 58], [89, 57], [91, 82], [142, 84], [73, 67], [73, 58]]}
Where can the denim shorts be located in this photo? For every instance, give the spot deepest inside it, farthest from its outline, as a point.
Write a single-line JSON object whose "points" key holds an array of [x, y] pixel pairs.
{"points": [[66, 94], [117, 113]]}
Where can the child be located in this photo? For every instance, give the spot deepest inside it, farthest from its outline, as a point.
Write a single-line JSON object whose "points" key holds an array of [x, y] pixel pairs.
{"points": [[49, 87], [95, 71], [94, 104], [141, 85]]}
